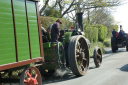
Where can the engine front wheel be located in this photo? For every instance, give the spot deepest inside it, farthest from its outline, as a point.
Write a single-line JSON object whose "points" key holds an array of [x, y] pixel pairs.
{"points": [[78, 55], [97, 57]]}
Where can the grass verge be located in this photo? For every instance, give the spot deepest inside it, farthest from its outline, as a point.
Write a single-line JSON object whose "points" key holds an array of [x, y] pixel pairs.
{"points": [[97, 44]]}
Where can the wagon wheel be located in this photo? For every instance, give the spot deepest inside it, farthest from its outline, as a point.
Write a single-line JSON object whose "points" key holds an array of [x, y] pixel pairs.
{"points": [[31, 76], [97, 57], [78, 55]]}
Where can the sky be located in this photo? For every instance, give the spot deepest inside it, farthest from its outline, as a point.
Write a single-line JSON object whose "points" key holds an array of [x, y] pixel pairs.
{"points": [[121, 15]]}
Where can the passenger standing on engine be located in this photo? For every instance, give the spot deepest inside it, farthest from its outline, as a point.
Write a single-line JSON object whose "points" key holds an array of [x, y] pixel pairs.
{"points": [[55, 31], [72, 28], [121, 33]]}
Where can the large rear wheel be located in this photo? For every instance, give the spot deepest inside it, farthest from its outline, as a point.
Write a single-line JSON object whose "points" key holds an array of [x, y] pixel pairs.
{"points": [[78, 55]]}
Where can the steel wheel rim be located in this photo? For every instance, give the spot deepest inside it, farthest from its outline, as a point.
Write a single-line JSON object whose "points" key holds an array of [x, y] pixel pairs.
{"points": [[81, 59], [79, 65], [99, 57], [31, 76]]}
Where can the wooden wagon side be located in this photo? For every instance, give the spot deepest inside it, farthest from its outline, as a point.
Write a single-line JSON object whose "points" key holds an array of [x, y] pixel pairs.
{"points": [[20, 34]]}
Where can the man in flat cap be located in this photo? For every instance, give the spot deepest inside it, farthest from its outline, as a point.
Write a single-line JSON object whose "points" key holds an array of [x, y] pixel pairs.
{"points": [[55, 31]]}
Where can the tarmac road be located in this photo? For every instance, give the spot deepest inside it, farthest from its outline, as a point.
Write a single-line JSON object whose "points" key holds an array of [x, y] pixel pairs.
{"points": [[113, 71]]}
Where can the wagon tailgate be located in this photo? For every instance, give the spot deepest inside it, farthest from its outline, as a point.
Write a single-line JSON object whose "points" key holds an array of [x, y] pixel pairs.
{"points": [[7, 35], [7, 40]]}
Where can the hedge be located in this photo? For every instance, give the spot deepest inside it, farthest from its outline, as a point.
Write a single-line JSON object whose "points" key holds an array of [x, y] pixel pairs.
{"points": [[96, 44], [95, 32], [102, 32], [107, 42], [91, 33], [46, 21]]}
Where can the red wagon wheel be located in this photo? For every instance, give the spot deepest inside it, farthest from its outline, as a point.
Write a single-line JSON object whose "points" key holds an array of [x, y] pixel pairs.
{"points": [[31, 76]]}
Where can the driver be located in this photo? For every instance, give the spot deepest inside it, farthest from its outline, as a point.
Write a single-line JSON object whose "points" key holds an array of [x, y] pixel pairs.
{"points": [[55, 31], [121, 33]]}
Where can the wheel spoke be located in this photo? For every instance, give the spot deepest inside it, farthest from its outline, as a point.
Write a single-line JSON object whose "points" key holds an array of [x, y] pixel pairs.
{"points": [[99, 56], [30, 76], [78, 45], [82, 67], [77, 50], [98, 61], [85, 59], [36, 76], [31, 71], [78, 58], [77, 55], [83, 50]]}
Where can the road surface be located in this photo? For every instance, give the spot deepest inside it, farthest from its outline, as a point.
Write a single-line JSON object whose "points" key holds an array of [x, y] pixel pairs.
{"points": [[113, 71]]}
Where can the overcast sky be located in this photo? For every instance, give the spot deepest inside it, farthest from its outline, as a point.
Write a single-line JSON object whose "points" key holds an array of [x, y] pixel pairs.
{"points": [[40, 4], [121, 15]]}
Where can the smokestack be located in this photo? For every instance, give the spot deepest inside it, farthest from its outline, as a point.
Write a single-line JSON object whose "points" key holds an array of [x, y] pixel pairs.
{"points": [[121, 27], [80, 20]]}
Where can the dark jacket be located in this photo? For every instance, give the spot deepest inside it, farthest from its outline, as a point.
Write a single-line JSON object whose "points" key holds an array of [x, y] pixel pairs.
{"points": [[121, 34], [114, 33], [54, 32]]}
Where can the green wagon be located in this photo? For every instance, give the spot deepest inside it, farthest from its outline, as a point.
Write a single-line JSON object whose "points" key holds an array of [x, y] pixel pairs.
{"points": [[20, 42]]}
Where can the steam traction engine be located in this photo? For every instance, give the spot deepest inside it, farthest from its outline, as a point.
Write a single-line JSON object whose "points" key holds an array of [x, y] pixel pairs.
{"points": [[72, 51]]}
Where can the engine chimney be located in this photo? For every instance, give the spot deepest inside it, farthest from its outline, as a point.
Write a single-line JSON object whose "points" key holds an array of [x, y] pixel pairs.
{"points": [[80, 20]]}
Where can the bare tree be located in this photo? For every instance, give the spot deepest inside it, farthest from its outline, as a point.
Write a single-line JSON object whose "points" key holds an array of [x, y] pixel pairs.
{"points": [[70, 7], [86, 6], [43, 8]]}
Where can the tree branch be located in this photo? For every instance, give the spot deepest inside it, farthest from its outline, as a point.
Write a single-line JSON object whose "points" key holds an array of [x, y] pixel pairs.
{"points": [[68, 8], [43, 8]]}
